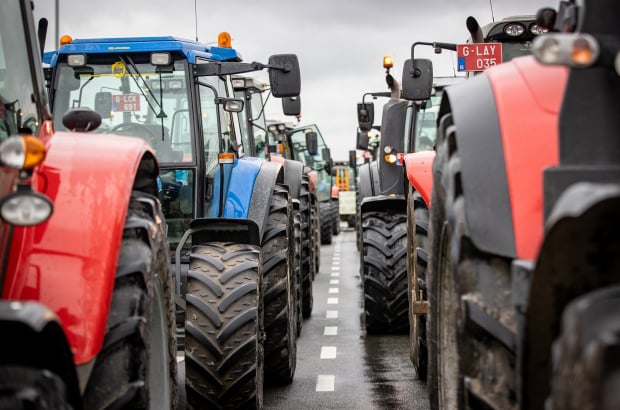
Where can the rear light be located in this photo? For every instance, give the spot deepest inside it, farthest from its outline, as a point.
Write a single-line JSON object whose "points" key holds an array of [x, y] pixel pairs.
{"points": [[25, 207], [22, 152], [390, 158], [226, 158], [573, 50]]}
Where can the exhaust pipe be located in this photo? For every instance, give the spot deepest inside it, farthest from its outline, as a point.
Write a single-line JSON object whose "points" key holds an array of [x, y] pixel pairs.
{"points": [[474, 30]]}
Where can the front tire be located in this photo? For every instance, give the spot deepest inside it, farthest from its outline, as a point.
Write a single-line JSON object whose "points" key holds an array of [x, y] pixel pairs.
{"points": [[325, 217], [224, 327], [384, 262], [279, 291]]}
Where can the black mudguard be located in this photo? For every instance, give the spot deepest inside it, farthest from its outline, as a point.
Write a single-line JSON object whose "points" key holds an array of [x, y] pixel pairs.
{"points": [[270, 173], [293, 171], [396, 203], [32, 336], [483, 168], [580, 253]]}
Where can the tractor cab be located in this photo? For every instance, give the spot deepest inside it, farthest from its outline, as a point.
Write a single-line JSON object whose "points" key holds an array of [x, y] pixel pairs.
{"points": [[178, 96]]}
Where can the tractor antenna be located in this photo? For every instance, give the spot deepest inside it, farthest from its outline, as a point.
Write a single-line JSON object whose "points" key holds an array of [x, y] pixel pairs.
{"points": [[492, 15], [196, 18]]}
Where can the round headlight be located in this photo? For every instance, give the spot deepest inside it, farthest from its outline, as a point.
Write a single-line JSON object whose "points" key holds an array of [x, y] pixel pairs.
{"points": [[537, 30], [25, 208], [514, 29]]}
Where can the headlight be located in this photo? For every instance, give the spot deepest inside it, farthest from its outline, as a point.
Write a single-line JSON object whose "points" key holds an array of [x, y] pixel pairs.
{"points": [[514, 29], [25, 208]]}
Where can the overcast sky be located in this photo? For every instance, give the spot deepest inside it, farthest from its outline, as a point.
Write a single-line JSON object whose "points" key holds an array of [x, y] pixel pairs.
{"points": [[340, 43]]}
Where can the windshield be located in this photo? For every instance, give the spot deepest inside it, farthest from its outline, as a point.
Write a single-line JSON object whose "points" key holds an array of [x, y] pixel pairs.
{"points": [[17, 107], [426, 124], [316, 162], [258, 122], [133, 98], [513, 50]]}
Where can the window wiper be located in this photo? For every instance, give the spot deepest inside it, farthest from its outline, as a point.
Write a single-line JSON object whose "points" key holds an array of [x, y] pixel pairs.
{"points": [[161, 113]]}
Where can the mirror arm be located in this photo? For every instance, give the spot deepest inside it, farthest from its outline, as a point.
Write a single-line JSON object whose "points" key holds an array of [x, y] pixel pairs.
{"points": [[414, 72]]}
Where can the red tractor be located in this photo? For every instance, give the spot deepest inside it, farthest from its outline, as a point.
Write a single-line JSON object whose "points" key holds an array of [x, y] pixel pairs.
{"points": [[508, 38], [87, 313], [523, 276]]}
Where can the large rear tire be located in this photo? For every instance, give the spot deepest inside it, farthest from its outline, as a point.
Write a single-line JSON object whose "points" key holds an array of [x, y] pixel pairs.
{"points": [[136, 367], [335, 217], [279, 290], [586, 360], [308, 260], [325, 218], [224, 327], [384, 261], [470, 308], [25, 388]]}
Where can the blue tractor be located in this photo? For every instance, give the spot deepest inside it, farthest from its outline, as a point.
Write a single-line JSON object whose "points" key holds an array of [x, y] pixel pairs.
{"points": [[229, 216]]}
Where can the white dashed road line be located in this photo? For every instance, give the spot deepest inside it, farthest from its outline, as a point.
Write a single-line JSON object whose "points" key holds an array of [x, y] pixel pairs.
{"points": [[334, 282], [325, 382], [328, 352], [333, 290], [331, 314], [332, 301], [330, 331]]}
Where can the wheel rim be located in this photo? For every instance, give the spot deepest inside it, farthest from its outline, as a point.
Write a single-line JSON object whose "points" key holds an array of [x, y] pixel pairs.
{"points": [[160, 389]]}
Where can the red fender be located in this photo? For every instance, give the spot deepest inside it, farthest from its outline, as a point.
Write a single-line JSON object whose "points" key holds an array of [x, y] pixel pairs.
{"points": [[419, 166], [69, 262], [335, 191], [528, 97]]}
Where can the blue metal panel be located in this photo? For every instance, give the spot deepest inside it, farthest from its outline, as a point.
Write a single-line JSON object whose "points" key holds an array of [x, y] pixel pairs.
{"points": [[239, 182], [190, 49]]}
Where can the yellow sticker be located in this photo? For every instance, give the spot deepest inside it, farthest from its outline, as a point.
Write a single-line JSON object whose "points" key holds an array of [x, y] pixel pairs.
{"points": [[118, 69]]}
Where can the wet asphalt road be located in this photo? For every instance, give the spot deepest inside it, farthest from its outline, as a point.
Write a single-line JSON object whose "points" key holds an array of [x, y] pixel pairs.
{"points": [[338, 367]]}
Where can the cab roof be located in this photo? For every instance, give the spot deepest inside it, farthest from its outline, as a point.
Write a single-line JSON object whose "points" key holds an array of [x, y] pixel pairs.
{"points": [[189, 48]]}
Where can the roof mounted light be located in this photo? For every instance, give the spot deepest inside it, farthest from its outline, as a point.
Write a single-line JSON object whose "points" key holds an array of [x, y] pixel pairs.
{"points": [[238, 82], [76, 60], [22, 152], [514, 29], [159, 59], [388, 62], [224, 40], [66, 39]]}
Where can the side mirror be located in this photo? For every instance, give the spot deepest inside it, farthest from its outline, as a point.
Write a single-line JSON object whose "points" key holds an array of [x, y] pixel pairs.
{"points": [[417, 79], [81, 120], [362, 140], [365, 115], [352, 159], [284, 75], [103, 104], [291, 105], [312, 142]]}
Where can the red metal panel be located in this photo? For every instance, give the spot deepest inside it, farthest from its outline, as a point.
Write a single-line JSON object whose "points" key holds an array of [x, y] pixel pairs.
{"points": [[528, 97], [419, 166], [69, 262]]}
